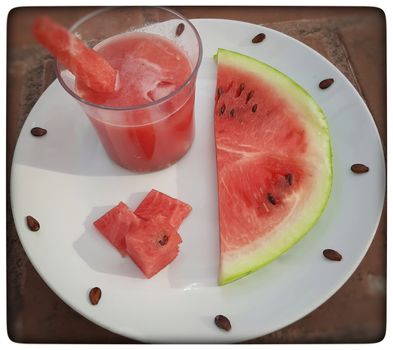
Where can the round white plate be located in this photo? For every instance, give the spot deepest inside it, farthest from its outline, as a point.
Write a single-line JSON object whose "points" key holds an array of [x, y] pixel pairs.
{"points": [[66, 181]]}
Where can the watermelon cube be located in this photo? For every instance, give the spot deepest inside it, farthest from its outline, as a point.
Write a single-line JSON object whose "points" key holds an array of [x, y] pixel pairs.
{"points": [[158, 203], [152, 244], [115, 224], [149, 236]]}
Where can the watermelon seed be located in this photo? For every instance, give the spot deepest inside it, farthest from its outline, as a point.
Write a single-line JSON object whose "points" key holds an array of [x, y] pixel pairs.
{"points": [[241, 88], [38, 132], [222, 322], [254, 108], [250, 95], [222, 110], [164, 240], [271, 199], [219, 92], [32, 223], [179, 29], [359, 168], [258, 38], [95, 295], [289, 179], [232, 113], [324, 84], [331, 254]]}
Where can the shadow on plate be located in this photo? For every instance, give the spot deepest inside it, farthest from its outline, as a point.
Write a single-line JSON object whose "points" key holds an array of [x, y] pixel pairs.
{"points": [[196, 266], [71, 145]]}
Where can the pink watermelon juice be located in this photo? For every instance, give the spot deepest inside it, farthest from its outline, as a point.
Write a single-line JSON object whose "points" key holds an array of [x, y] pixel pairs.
{"points": [[136, 85], [139, 125]]}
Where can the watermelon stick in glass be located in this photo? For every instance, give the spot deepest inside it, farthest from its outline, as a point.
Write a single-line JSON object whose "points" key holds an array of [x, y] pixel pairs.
{"points": [[82, 61], [145, 117]]}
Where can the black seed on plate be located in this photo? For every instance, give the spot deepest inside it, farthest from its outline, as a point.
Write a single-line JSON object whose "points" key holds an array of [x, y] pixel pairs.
{"points": [[222, 110], [222, 322], [232, 113], [331, 254], [324, 84], [38, 132], [95, 295], [259, 38], [271, 199], [254, 108], [32, 223], [359, 168], [179, 29]]}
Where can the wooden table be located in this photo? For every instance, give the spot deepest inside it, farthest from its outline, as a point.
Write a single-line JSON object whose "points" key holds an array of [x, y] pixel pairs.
{"points": [[353, 39]]}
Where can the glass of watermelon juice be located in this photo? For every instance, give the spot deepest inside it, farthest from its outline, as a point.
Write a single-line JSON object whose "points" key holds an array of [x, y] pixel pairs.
{"points": [[147, 124]]}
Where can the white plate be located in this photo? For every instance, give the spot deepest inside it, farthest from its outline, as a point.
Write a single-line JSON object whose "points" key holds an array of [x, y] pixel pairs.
{"points": [[66, 181]]}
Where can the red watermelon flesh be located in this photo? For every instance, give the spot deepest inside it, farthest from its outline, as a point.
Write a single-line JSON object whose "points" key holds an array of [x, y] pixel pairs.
{"points": [[273, 163], [152, 244], [150, 238], [115, 224], [87, 66], [158, 203]]}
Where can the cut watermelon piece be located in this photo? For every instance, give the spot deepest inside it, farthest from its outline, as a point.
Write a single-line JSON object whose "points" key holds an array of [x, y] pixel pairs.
{"points": [[115, 225], [158, 203], [274, 168], [87, 66], [150, 241], [152, 244]]}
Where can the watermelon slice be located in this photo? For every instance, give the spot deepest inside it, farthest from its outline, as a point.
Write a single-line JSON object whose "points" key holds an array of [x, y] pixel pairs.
{"points": [[115, 224], [274, 168], [87, 66], [158, 203], [152, 244]]}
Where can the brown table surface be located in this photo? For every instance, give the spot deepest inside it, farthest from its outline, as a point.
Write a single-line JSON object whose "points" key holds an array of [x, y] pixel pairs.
{"points": [[353, 39]]}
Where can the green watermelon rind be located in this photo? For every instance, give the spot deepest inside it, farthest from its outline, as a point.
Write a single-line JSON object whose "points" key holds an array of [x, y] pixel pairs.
{"points": [[254, 263]]}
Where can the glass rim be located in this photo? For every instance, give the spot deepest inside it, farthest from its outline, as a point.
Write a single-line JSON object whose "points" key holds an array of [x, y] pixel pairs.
{"points": [[161, 100]]}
